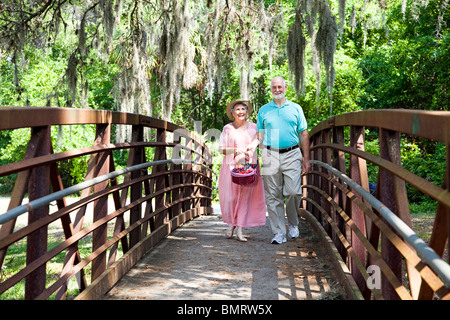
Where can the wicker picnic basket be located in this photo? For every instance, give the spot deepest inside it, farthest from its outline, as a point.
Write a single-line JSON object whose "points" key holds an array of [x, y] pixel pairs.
{"points": [[244, 178]]}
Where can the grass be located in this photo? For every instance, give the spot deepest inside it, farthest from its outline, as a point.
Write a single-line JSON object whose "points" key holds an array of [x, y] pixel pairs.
{"points": [[422, 216]]}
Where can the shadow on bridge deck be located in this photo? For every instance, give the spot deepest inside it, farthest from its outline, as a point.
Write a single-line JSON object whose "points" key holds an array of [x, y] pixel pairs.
{"points": [[198, 262]]}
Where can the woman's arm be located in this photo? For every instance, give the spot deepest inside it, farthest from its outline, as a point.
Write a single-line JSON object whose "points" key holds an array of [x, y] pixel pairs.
{"points": [[227, 150]]}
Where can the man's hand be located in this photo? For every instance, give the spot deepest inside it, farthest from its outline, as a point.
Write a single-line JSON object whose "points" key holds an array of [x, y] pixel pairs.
{"points": [[306, 166], [304, 141]]}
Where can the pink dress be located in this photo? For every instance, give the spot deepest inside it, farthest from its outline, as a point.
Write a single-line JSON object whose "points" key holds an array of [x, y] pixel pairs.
{"points": [[241, 205]]}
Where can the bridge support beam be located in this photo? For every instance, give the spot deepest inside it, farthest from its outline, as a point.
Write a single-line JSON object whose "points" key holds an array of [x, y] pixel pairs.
{"points": [[393, 195], [137, 156], [38, 186], [339, 197], [358, 173], [103, 135], [160, 182]]}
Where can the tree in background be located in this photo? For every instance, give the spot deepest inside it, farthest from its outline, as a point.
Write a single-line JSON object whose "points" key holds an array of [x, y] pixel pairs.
{"points": [[185, 60]]}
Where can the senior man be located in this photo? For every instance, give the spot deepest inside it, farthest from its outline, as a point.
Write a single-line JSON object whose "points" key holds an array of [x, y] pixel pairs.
{"points": [[281, 126]]}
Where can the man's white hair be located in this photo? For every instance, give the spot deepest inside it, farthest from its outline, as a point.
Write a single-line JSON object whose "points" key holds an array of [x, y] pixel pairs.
{"points": [[278, 78]]}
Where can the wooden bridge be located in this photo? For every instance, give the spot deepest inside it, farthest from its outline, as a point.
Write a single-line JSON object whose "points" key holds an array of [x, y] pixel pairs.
{"points": [[168, 180]]}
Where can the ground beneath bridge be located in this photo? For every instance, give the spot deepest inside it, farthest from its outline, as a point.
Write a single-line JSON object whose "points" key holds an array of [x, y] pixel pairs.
{"points": [[198, 262]]}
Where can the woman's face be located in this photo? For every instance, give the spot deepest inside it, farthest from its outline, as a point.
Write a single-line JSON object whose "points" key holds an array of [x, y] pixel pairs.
{"points": [[240, 112]]}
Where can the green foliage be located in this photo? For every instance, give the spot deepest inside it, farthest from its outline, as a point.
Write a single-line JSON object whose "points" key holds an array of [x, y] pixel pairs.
{"points": [[411, 69], [412, 74], [430, 166], [13, 145], [67, 138]]}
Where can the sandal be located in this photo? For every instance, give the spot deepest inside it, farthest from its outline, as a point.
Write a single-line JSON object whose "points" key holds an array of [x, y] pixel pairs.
{"points": [[229, 233], [240, 237]]}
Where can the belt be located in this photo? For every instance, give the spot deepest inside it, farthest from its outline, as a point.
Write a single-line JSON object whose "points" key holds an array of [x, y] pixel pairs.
{"points": [[282, 150]]}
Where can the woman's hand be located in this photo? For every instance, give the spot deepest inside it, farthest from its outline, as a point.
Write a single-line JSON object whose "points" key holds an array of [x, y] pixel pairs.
{"points": [[238, 151], [240, 158], [249, 153]]}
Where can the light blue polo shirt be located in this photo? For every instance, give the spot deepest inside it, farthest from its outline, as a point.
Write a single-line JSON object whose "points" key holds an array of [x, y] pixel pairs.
{"points": [[281, 125]]}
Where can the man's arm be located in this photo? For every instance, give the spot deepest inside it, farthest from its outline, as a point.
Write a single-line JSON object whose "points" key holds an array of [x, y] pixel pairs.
{"points": [[259, 138], [304, 142]]}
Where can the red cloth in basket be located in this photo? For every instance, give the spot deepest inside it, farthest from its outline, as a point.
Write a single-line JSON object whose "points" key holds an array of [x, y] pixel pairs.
{"points": [[242, 177]]}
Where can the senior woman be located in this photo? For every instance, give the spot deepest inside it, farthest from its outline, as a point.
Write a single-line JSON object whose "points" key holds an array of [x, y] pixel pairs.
{"points": [[242, 206]]}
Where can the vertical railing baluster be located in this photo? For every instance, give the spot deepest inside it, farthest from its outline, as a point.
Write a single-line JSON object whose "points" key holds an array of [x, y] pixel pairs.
{"points": [[389, 147], [38, 186], [208, 160], [188, 177], [160, 154], [339, 164], [309, 180], [358, 173], [326, 185], [176, 178], [120, 222], [99, 235], [316, 179], [197, 169], [137, 155]]}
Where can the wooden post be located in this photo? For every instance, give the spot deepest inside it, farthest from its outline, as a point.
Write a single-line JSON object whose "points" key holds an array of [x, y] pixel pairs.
{"points": [[197, 169], [99, 236], [188, 177], [358, 173], [38, 186], [176, 178], [326, 185], [317, 154], [308, 193], [339, 197], [137, 155], [208, 180], [389, 150], [160, 154]]}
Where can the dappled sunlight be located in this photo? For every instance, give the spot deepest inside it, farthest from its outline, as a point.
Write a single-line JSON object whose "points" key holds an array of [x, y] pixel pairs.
{"points": [[197, 261]]}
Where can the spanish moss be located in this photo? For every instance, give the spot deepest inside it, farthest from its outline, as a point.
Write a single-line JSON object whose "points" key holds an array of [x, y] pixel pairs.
{"points": [[164, 49]]}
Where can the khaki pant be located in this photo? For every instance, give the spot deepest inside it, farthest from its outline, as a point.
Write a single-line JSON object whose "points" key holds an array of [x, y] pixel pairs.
{"points": [[282, 178]]}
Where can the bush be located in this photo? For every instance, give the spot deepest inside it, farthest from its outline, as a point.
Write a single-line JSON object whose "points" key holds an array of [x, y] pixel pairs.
{"points": [[428, 165]]}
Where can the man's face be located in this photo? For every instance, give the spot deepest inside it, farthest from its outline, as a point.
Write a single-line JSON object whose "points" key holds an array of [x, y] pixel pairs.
{"points": [[278, 89]]}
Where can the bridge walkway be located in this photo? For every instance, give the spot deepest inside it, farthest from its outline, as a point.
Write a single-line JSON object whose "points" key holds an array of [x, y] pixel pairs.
{"points": [[198, 262]]}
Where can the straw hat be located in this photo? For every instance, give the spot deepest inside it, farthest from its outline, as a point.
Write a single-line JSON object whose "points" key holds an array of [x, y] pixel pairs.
{"points": [[231, 104]]}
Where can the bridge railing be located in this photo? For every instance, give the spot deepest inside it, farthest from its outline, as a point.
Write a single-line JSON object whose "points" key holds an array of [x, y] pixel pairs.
{"points": [[119, 214], [373, 232]]}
